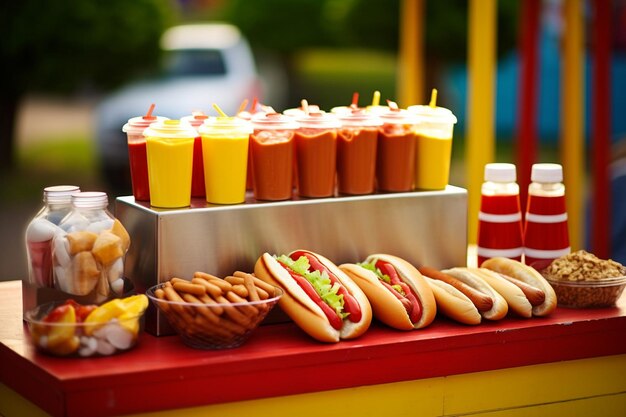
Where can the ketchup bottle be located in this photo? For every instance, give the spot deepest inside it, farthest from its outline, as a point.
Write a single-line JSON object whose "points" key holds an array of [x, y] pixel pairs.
{"points": [[545, 230], [500, 217]]}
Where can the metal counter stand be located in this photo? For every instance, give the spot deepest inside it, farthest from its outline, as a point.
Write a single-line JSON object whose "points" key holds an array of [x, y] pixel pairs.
{"points": [[426, 227]]}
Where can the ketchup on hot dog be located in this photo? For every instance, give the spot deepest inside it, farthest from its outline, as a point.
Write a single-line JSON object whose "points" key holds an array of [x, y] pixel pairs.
{"points": [[400, 289]]}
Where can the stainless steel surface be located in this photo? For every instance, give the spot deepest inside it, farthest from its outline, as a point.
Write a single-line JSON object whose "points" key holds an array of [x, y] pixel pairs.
{"points": [[427, 227]]}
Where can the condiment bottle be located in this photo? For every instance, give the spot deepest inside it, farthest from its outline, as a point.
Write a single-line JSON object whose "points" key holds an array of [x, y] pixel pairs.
{"points": [[41, 230], [546, 235], [88, 256], [500, 217], [196, 119]]}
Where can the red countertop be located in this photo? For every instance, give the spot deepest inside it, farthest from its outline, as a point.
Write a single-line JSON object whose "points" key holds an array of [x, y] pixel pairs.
{"points": [[161, 373]]}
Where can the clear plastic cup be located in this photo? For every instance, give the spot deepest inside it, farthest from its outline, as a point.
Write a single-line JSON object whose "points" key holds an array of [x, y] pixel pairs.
{"points": [[395, 159], [356, 151], [225, 151], [316, 154], [433, 146], [170, 160], [271, 156], [137, 156], [196, 119]]}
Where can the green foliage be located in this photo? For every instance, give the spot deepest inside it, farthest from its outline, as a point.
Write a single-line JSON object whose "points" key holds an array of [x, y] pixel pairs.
{"points": [[59, 45]]}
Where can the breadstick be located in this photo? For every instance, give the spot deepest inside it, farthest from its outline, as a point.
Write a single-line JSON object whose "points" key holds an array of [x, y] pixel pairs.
{"points": [[263, 295], [240, 290], [212, 290], [208, 300], [261, 284], [248, 282], [188, 287], [205, 311], [232, 312], [248, 310], [224, 285]]}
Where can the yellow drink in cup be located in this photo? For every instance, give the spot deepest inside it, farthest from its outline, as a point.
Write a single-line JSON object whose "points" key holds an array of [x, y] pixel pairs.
{"points": [[169, 146], [225, 154], [433, 145]]}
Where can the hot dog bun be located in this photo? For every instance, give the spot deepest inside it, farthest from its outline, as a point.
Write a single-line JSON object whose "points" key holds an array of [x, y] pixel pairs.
{"points": [[528, 275], [387, 308], [499, 308], [306, 313], [514, 296], [453, 303]]}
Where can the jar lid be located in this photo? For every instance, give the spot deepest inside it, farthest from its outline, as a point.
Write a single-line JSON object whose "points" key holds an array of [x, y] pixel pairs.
{"points": [[358, 117], [273, 121], [433, 114], [318, 120], [139, 123], [57, 194], [546, 173], [500, 172], [223, 125], [171, 129], [90, 199]]}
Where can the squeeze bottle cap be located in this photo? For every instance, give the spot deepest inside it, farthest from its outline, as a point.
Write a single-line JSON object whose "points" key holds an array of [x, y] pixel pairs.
{"points": [[498, 172], [547, 173]]}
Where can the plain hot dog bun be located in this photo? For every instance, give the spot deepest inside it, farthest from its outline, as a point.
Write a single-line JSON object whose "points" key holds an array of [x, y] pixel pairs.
{"points": [[514, 296], [303, 310], [530, 276], [387, 308], [453, 303], [499, 307]]}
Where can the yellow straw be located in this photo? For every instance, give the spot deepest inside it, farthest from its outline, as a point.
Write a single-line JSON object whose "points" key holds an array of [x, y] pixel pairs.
{"points": [[243, 105], [433, 98], [220, 111], [376, 98]]}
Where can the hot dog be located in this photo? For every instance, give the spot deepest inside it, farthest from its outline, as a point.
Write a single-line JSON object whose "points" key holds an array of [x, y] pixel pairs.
{"points": [[528, 275], [482, 301], [514, 296], [319, 297], [499, 307], [453, 303], [400, 296]]}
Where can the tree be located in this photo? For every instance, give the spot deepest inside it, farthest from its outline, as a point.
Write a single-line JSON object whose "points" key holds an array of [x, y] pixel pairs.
{"points": [[61, 45]]}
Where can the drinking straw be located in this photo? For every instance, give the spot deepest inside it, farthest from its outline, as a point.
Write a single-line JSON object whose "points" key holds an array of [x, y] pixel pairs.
{"points": [[392, 105], [243, 106], [355, 99], [433, 98], [305, 106], [376, 98], [149, 114], [255, 101], [219, 111]]}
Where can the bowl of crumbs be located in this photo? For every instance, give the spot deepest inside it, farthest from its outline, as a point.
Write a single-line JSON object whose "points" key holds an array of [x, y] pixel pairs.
{"points": [[582, 280]]}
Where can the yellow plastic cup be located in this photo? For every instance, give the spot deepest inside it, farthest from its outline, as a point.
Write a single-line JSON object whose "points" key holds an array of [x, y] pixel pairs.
{"points": [[169, 146], [225, 154], [434, 131]]}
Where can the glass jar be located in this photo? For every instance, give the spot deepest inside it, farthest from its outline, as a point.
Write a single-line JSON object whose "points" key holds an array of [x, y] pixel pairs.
{"points": [[41, 230], [88, 256]]}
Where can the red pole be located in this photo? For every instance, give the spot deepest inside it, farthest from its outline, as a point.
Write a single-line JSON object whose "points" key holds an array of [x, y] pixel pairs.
{"points": [[528, 87], [601, 129]]}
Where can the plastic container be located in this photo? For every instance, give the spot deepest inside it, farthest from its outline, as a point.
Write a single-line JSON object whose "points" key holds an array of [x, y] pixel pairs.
{"points": [[395, 159], [137, 154], [88, 256], [225, 151], [196, 119], [500, 217], [546, 235], [357, 141], [209, 326], [271, 156], [316, 154], [69, 329], [433, 146], [170, 163], [41, 230]]}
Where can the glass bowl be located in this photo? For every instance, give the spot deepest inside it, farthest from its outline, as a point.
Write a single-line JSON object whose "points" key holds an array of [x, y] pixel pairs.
{"points": [[216, 325], [68, 329], [588, 294]]}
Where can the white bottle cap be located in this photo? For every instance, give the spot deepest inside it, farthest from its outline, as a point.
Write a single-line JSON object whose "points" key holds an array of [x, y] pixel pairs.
{"points": [[498, 172], [547, 173]]}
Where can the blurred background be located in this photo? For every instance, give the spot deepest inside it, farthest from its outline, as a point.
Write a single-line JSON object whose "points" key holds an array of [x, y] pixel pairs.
{"points": [[76, 70]]}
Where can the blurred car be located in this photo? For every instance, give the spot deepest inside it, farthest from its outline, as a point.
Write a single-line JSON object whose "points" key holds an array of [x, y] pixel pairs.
{"points": [[203, 64]]}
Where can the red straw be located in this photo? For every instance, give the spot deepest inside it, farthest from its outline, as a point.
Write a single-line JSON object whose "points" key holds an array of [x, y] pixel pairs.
{"points": [[392, 105], [149, 114], [355, 99], [255, 101]]}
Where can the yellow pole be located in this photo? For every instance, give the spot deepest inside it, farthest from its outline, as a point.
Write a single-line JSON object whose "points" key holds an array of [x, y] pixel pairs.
{"points": [[572, 119], [410, 89], [480, 142]]}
